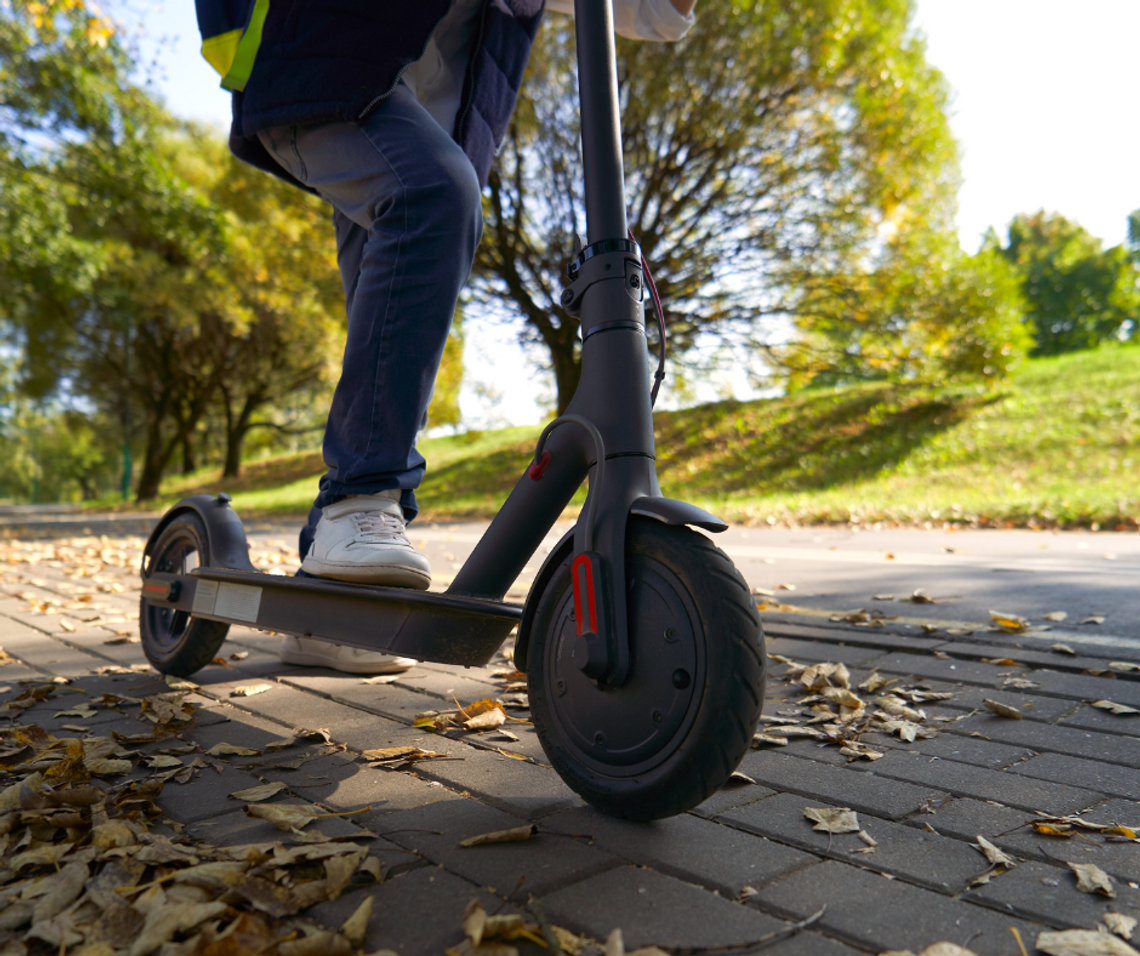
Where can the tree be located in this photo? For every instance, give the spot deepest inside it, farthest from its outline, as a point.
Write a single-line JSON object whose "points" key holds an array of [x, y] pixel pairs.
{"points": [[148, 270], [923, 310], [444, 408], [1077, 293], [773, 144]]}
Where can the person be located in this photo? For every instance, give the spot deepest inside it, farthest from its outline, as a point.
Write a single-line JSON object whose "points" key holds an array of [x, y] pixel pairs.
{"points": [[392, 113]]}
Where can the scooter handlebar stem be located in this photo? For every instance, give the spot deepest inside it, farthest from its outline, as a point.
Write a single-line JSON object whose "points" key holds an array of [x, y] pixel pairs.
{"points": [[601, 120]]}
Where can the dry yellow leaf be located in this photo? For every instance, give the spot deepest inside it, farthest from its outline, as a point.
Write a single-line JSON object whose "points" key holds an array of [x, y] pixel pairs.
{"points": [[1120, 924], [1092, 879], [514, 834], [996, 856], [1002, 710], [248, 690], [354, 928], [833, 819], [487, 720], [1009, 622], [261, 792], [1121, 710], [223, 749], [1083, 942]]}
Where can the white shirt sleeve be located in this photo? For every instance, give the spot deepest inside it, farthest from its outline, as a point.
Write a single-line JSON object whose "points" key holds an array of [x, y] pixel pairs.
{"points": [[640, 19]]}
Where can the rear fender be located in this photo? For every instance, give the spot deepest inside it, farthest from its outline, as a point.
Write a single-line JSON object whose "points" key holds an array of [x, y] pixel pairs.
{"points": [[224, 531]]}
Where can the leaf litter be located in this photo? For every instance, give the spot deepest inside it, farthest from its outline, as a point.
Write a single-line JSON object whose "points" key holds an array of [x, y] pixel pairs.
{"points": [[85, 871]]}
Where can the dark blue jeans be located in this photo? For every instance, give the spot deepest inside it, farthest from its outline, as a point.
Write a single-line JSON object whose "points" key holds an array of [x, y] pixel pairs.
{"points": [[408, 217]]}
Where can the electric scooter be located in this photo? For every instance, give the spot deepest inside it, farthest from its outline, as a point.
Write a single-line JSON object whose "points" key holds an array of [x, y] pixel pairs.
{"points": [[642, 646]]}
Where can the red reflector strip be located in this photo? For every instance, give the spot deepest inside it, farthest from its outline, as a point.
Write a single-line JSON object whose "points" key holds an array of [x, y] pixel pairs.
{"points": [[582, 573], [160, 588]]}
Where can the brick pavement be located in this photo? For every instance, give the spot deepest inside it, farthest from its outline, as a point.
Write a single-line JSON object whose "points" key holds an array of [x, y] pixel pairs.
{"points": [[743, 866]]}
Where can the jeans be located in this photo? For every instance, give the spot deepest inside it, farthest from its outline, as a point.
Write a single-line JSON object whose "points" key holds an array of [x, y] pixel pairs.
{"points": [[408, 218]]}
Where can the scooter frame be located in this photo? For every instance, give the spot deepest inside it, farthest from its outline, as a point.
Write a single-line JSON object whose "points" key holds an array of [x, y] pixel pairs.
{"points": [[606, 435]]}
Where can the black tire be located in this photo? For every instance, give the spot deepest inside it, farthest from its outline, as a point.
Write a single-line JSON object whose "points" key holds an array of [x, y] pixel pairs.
{"points": [[672, 735], [174, 641]]}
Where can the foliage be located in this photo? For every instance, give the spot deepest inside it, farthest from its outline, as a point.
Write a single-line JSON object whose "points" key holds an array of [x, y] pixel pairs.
{"points": [[444, 408], [926, 310], [145, 269], [1077, 293], [772, 144], [52, 454]]}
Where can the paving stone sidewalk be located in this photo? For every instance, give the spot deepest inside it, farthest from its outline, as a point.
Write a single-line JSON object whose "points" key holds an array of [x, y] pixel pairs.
{"points": [[739, 869]]}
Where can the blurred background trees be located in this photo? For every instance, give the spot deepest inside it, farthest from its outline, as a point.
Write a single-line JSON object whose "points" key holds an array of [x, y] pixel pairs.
{"points": [[791, 177]]}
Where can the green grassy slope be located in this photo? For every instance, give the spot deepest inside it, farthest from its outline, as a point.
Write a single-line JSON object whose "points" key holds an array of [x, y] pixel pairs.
{"points": [[1058, 446]]}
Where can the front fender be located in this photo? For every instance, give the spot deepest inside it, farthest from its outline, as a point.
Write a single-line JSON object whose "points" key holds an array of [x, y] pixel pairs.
{"points": [[228, 545]]}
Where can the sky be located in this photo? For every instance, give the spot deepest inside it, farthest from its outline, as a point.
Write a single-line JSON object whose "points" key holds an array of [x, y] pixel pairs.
{"points": [[1042, 100]]}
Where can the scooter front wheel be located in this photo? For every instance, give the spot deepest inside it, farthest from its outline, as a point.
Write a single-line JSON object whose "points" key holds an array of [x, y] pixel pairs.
{"points": [[174, 641], [672, 734]]}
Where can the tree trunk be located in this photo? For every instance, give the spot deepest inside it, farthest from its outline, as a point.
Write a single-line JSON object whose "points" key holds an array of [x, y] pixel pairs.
{"points": [[189, 462], [235, 435], [154, 462], [565, 357]]}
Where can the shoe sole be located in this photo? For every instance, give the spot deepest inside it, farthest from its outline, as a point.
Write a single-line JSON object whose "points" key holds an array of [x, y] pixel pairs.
{"points": [[389, 575], [301, 659]]}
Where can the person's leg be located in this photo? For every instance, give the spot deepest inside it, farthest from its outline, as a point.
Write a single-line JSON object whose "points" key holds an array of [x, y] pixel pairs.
{"points": [[350, 239], [411, 189]]}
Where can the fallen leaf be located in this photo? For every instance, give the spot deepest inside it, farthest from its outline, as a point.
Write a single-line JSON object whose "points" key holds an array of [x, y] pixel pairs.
{"points": [[1093, 619], [1092, 879], [854, 750], [101, 766], [292, 817], [67, 625], [354, 928], [512, 835], [1009, 622], [1120, 924], [261, 792], [488, 720], [1055, 616], [760, 739], [1124, 666], [1121, 710], [1053, 829], [833, 819], [406, 754], [222, 748], [248, 690], [281, 743], [1002, 710], [1083, 942], [996, 856], [163, 761], [1064, 649]]}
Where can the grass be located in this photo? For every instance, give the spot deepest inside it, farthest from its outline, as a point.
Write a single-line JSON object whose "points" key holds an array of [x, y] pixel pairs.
{"points": [[1058, 447]]}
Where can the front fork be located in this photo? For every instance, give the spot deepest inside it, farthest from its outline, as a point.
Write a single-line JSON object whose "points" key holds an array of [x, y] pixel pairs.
{"points": [[607, 434]]}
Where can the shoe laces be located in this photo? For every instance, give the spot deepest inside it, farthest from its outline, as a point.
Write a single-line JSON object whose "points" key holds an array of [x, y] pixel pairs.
{"points": [[378, 524]]}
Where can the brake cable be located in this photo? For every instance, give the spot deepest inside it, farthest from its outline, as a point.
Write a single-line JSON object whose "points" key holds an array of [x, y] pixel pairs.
{"points": [[659, 375]]}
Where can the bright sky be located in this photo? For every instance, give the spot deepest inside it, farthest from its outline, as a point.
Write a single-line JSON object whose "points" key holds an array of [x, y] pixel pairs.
{"points": [[1042, 110]]}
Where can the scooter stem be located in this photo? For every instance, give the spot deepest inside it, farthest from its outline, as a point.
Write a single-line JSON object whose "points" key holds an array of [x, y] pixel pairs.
{"points": [[601, 122]]}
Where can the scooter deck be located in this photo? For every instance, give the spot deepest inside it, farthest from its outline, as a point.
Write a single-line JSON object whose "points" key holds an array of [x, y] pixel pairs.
{"points": [[429, 626]]}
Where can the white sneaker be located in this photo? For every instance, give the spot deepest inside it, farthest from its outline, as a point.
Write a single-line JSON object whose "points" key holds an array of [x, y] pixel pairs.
{"points": [[362, 539], [351, 660]]}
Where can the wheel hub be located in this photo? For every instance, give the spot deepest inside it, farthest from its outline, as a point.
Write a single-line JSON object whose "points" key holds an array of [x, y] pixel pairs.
{"points": [[628, 729]]}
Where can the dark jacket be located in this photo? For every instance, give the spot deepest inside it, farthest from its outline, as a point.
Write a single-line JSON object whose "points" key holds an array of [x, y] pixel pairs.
{"points": [[324, 61]]}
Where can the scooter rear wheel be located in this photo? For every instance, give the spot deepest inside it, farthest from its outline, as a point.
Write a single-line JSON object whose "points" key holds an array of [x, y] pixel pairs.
{"points": [[673, 733], [176, 642]]}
